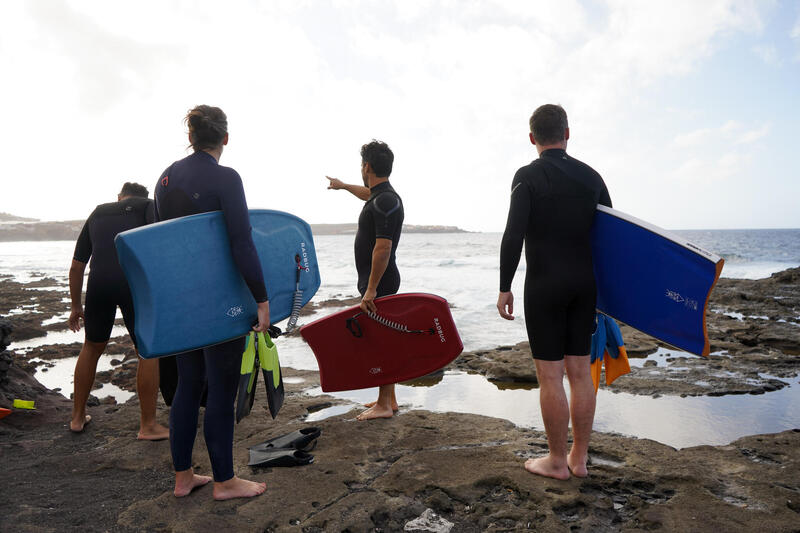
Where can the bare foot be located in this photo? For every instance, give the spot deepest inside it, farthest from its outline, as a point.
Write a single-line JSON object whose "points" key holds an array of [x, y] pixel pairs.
{"points": [[577, 466], [187, 481], [77, 425], [395, 407], [154, 432], [376, 411], [237, 488], [543, 466]]}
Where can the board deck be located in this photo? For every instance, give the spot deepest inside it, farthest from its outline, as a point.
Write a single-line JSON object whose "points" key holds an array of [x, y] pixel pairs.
{"points": [[355, 351], [187, 291], [652, 279]]}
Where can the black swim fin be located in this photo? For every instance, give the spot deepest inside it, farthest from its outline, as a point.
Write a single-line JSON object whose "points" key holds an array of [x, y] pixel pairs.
{"points": [[271, 367], [303, 439], [280, 457]]}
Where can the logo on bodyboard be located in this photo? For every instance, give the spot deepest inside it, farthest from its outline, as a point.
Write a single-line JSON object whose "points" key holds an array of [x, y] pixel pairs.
{"points": [[439, 330], [304, 255], [235, 311], [375, 370], [675, 296]]}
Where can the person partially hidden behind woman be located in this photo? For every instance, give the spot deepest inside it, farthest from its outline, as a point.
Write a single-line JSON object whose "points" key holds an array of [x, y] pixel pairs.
{"points": [[106, 290], [198, 184]]}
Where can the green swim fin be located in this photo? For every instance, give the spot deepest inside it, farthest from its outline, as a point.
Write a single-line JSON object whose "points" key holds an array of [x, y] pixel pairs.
{"points": [[271, 367], [248, 377]]}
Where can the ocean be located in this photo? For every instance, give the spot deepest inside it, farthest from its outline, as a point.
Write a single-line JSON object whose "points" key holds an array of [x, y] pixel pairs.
{"points": [[463, 268]]}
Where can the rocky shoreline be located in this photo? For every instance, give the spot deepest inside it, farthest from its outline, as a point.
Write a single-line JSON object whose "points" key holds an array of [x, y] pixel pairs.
{"points": [[390, 474], [754, 331]]}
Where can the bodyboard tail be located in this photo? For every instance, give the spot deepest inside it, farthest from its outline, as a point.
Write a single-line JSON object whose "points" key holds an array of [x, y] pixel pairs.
{"points": [[653, 280]]}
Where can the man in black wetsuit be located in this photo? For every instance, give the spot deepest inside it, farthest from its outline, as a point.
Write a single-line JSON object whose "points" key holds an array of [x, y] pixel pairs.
{"points": [[106, 290], [379, 228], [553, 201]]}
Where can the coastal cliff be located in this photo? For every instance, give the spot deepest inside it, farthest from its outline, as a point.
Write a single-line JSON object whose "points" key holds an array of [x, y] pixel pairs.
{"points": [[14, 229]]}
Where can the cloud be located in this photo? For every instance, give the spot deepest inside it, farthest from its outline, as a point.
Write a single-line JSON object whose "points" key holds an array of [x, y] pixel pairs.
{"points": [[731, 131], [105, 65], [753, 135], [795, 35], [449, 84], [711, 170], [768, 54]]}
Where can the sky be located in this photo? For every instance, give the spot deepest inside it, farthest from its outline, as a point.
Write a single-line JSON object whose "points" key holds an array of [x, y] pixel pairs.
{"points": [[689, 110]]}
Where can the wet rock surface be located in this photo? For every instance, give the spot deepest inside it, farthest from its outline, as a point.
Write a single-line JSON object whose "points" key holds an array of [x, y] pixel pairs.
{"points": [[382, 475], [419, 467]]}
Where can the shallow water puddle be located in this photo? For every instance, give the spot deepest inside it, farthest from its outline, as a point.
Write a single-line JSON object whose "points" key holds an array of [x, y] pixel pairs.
{"points": [[675, 421], [60, 375], [329, 412], [55, 319], [59, 337]]}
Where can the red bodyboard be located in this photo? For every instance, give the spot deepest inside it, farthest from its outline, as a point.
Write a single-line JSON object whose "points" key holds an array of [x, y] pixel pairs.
{"points": [[382, 355]]}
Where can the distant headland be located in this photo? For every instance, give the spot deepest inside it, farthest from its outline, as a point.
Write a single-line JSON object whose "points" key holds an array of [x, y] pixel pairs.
{"points": [[14, 228]]}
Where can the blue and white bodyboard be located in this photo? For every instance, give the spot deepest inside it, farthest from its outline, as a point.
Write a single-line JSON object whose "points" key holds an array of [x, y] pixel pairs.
{"points": [[187, 291], [653, 280]]}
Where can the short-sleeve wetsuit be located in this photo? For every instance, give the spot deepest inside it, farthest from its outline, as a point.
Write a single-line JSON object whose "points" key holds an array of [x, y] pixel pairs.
{"points": [[553, 202], [107, 287], [380, 218], [198, 184]]}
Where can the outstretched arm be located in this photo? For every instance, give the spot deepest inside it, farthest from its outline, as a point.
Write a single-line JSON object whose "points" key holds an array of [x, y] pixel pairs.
{"points": [[359, 191]]}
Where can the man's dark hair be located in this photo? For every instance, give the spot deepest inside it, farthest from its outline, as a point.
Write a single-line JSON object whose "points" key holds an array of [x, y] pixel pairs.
{"points": [[549, 124], [133, 189], [379, 156]]}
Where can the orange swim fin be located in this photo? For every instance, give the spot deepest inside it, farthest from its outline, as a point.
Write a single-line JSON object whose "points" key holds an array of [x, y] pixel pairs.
{"points": [[597, 367], [616, 366]]}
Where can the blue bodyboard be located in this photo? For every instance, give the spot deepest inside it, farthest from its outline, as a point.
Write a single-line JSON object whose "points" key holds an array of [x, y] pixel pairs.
{"points": [[653, 280], [187, 291]]}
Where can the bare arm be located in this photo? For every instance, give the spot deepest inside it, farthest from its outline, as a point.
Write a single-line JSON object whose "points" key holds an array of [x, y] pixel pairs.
{"points": [[359, 191], [76, 271], [380, 260]]}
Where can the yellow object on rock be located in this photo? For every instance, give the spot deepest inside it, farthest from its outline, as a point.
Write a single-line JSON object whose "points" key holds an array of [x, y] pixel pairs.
{"points": [[24, 404]]}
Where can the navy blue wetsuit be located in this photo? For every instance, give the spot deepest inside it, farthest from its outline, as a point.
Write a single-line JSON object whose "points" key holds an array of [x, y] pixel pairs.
{"points": [[553, 202], [198, 184], [381, 218], [107, 287]]}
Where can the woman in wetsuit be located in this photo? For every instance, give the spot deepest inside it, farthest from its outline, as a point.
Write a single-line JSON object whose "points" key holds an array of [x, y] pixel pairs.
{"points": [[198, 184]]}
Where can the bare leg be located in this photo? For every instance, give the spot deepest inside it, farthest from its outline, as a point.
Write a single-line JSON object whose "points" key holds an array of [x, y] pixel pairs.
{"points": [[555, 414], [237, 488], [186, 481], [582, 405], [85, 370], [383, 407], [395, 407], [147, 389]]}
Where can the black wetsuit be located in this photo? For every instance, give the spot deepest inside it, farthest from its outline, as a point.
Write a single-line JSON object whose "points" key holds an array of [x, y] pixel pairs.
{"points": [[107, 287], [553, 202], [381, 218], [198, 184]]}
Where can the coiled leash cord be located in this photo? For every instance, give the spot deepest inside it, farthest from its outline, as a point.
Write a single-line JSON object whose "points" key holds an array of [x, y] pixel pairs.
{"points": [[297, 300], [355, 328]]}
